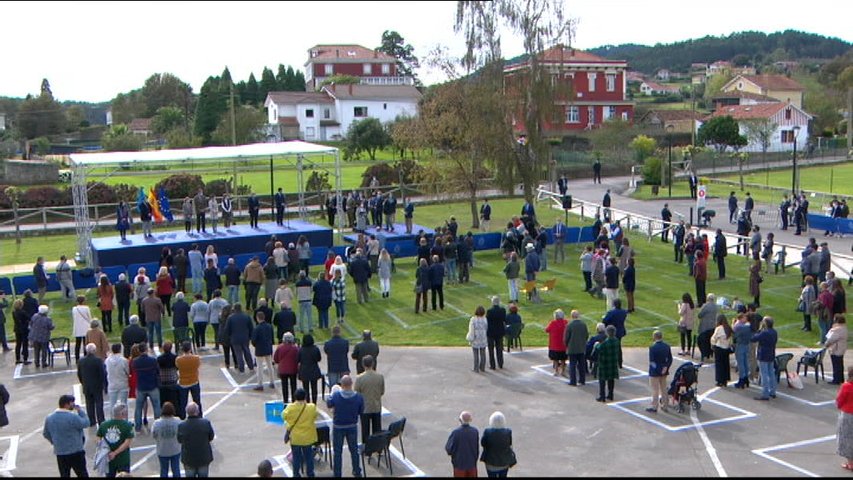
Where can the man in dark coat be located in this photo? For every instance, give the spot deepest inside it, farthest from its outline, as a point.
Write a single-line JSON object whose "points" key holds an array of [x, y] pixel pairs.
{"points": [[336, 349], [666, 216], [605, 202], [194, 435], [285, 321], [660, 359], [367, 346], [254, 210], [596, 171], [93, 376], [732, 207], [180, 317], [617, 318], [200, 204], [495, 331], [575, 338], [748, 206], [239, 329], [463, 446], [436, 281], [563, 185], [279, 207], [720, 252], [784, 207], [123, 291], [359, 269], [132, 335], [693, 180], [531, 268]]}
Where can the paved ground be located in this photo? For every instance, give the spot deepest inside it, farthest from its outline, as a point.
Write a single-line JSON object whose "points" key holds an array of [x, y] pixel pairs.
{"points": [[558, 430]]}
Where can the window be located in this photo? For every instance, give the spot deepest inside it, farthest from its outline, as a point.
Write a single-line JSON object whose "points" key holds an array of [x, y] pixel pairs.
{"points": [[787, 113], [384, 106], [329, 69], [611, 82], [591, 78], [625, 116], [309, 113], [608, 112], [787, 136], [573, 114], [368, 69], [327, 114], [386, 69], [590, 115], [359, 112], [309, 132]]}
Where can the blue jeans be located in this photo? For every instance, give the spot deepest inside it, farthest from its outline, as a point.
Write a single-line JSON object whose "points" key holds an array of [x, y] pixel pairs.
{"points": [[351, 436], [184, 395], [114, 397], [768, 378], [175, 462], [141, 397], [323, 317], [155, 327], [742, 357], [233, 294], [198, 284], [513, 289], [305, 323], [201, 471], [824, 329], [303, 455], [451, 270], [341, 308]]}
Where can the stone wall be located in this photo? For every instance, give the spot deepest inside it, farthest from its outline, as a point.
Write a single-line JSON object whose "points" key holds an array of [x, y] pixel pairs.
{"points": [[30, 172]]}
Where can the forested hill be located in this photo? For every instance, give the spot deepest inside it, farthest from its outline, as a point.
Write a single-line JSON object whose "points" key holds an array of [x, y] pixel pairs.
{"points": [[743, 48]]}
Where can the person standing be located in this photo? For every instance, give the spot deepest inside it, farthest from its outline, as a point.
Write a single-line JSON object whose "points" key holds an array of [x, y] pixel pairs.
{"points": [[596, 171], [189, 381], [132, 335], [748, 206], [422, 285], [279, 207], [263, 339], [147, 384], [232, 281], [384, 267], [720, 252], [92, 376], [575, 338], [187, 210], [213, 209], [485, 215], [463, 446], [40, 327], [196, 259], [367, 346], [436, 282], [347, 407], [498, 455], [495, 332], [164, 287], [286, 358], [511, 271], [97, 336], [478, 338], [66, 282], [741, 334], [629, 281], [123, 291], [700, 275], [766, 339], [41, 278], [300, 418], [106, 294], [605, 203], [118, 374], [22, 332], [836, 344], [154, 310], [721, 339], [254, 210], [371, 385], [117, 432], [227, 210], [122, 219], [732, 207], [145, 211], [194, 435], [309, 366], [64, 429], [165, 433], [200, 205], [360, 271], [611, 283], [337, 351], [563, 185], [844, 429], [755, 281], [81, 316], [557, 351], [323, 293], [408, 215], [215, 308], [253, 277], [303, 295], [660, 359], [666, 217], [531, 268], [609, 358], [693, 180], [238, 329], [784, 207], [169, 390]]}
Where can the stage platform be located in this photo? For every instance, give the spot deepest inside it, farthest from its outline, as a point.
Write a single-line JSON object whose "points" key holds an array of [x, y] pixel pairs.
{"points": [[236, 240], [398, 235]]}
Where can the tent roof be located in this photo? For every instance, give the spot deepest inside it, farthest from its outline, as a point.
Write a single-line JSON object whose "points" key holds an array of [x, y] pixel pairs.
{"points": [[207, 153]]}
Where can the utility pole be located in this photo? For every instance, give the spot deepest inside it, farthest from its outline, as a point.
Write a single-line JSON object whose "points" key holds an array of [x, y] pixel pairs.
{"points": [[233, 122], [692, 119]]}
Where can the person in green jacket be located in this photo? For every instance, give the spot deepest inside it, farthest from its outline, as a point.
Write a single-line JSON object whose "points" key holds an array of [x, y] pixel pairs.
{"points": [[609, 358]]}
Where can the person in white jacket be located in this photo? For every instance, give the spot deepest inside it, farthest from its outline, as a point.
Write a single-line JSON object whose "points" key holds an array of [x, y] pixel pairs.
{"points": [[836, 345], [81, 317]]}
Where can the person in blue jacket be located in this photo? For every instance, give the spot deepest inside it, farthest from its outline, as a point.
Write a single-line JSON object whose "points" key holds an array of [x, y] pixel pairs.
{"points": [[660, 359], [322, 298]]}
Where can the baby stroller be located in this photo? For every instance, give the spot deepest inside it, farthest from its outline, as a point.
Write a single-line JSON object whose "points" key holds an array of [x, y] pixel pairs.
{"points": [[684, 385]]}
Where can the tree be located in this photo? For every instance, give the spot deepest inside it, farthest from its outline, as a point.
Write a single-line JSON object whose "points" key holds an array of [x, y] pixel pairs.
{"points": [[248, 121], [45, 88], [721, 132], [251, 96], [75, 118], [167, 119], [760, 132], [119, 138], [366, 135], [210, 108], [405, 135], [395, 45], [164, 90], [39, 116], [714, 85], [268, 84], [318, 182], [127, 106], [643, 147]]}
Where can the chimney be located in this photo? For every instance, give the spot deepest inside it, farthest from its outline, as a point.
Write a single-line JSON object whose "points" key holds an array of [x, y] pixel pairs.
{"points": [[375, 54]]}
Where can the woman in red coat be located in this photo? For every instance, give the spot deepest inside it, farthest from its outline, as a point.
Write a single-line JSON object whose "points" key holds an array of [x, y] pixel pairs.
{"points": [[556, 343], [106, 292], [844, 432], [165, 285]]}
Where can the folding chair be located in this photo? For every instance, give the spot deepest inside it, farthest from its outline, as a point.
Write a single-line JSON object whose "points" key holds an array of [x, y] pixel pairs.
{"points": [[323, 445], [782, 361]]}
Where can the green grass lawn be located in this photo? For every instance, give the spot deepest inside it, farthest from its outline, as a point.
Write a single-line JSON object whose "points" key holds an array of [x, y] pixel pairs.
{"points": [[836, 179], [660, 283], [681, 189]]}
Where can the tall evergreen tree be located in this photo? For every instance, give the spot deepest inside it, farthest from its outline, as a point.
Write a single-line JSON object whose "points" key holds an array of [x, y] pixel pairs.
{"points": [[252, 90], [211, 106], [268, 84], [282, 79]]}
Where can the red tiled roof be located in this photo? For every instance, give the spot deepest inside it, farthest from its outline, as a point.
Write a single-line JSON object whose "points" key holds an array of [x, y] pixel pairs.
{"points": [[345, 52], [747, 112], [774, 82], [298, 97], [389, 92], [139, 124], [746, 95], [562, 53], [661, 88], [673, 115]]}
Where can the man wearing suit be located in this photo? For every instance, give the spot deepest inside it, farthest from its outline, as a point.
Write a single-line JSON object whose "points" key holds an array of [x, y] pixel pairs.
{"points": [[485, 215], [563, 185], [145, 217], [694, 182], [666, 216], [783, 211], [254, 210], [748, 205], [732, 207], [596, 171], [528, 211], [279, 207], [559, 241], [605, 202], [200, 204]]}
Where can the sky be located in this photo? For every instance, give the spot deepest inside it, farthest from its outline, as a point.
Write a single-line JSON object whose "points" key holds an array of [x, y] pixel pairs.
{"points": [[91, 51]]}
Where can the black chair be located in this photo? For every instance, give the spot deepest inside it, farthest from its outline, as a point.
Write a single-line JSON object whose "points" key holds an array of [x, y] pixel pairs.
{"points": [[377, 444], [812, 359], [395, 429], [513, 336], [782, 361], [60, 345], [323, 446]]}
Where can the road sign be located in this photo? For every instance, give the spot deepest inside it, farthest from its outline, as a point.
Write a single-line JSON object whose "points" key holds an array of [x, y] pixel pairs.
{"points": [[700, 197]]}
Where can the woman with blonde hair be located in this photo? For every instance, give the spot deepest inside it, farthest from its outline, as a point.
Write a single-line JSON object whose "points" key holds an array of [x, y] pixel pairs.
{"points": [[165, 286], [211, 253], [81, 316], [497, 446]]}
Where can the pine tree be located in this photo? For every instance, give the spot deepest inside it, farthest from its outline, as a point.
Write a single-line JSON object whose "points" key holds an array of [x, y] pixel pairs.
{"points": [[211, 106], [252, 90]]}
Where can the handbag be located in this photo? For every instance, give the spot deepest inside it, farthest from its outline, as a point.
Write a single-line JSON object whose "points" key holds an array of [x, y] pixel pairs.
{"points": [[801, 307], [287, 431]]}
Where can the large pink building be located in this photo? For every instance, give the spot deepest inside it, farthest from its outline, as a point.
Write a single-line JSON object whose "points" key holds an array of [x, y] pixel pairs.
{"points": [[371, 66]]}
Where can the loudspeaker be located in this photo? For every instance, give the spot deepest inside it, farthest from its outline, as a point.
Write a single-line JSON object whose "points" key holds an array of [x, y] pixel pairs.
{"points": [[567, 202]]}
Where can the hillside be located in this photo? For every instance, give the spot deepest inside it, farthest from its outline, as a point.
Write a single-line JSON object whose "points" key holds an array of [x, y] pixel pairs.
{"points": [[752, 48]]}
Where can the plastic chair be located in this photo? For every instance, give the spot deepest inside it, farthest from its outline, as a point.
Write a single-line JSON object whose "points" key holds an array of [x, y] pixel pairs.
{"points": [[377, 444], [782, 365], [513, 336], [528, 287], [323, 445], [395, 429], [815, 360], [60, 345], [549, 285]]}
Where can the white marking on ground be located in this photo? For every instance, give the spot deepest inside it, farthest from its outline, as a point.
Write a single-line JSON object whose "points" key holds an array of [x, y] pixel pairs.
{"points": [[763, 452], [709, 447], [397, 319], [10, 456]]}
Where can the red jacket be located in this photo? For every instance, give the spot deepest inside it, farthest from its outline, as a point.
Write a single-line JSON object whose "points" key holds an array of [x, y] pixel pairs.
{"points": [[165, 285], [286, 356], [844, 400], [556, 330]]}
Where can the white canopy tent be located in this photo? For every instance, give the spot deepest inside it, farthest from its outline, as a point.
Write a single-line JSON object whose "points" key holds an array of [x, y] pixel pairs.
{"points": [[81, 163]]}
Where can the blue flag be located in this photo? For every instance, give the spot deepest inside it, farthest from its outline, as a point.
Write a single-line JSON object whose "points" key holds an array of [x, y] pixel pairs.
{"points": [[140, 199], [164, 206]]}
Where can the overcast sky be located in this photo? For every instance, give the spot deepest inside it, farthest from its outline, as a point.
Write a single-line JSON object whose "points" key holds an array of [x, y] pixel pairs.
{"points": [[91, 51]]}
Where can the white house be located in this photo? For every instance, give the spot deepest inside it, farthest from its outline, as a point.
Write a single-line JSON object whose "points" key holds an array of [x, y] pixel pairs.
{"points": [[328, 114], [652, 88], [779, 118]]}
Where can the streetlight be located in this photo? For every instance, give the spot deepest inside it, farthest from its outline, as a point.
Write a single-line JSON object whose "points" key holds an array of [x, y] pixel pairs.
{"points": [[669, 129], [794, 171]]}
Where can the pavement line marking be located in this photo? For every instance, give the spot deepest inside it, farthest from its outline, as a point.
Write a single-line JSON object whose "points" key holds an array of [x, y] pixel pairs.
{"points": [[34, 432], [18, 368], [18, 376], [229, 377], [763, 452], [78, 394], [596, 433], [807, 402], [398, 320], [709, 447], [11, 456], [743, 415]]}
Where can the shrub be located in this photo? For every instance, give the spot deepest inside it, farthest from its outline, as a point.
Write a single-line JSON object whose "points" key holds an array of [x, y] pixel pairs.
{"points": [[101, 193], [318, 182], [126, 192], [35, 197], [411, 169], [651, 171], [5, 201], [217, 187], [180, 185], [386, 174]]}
